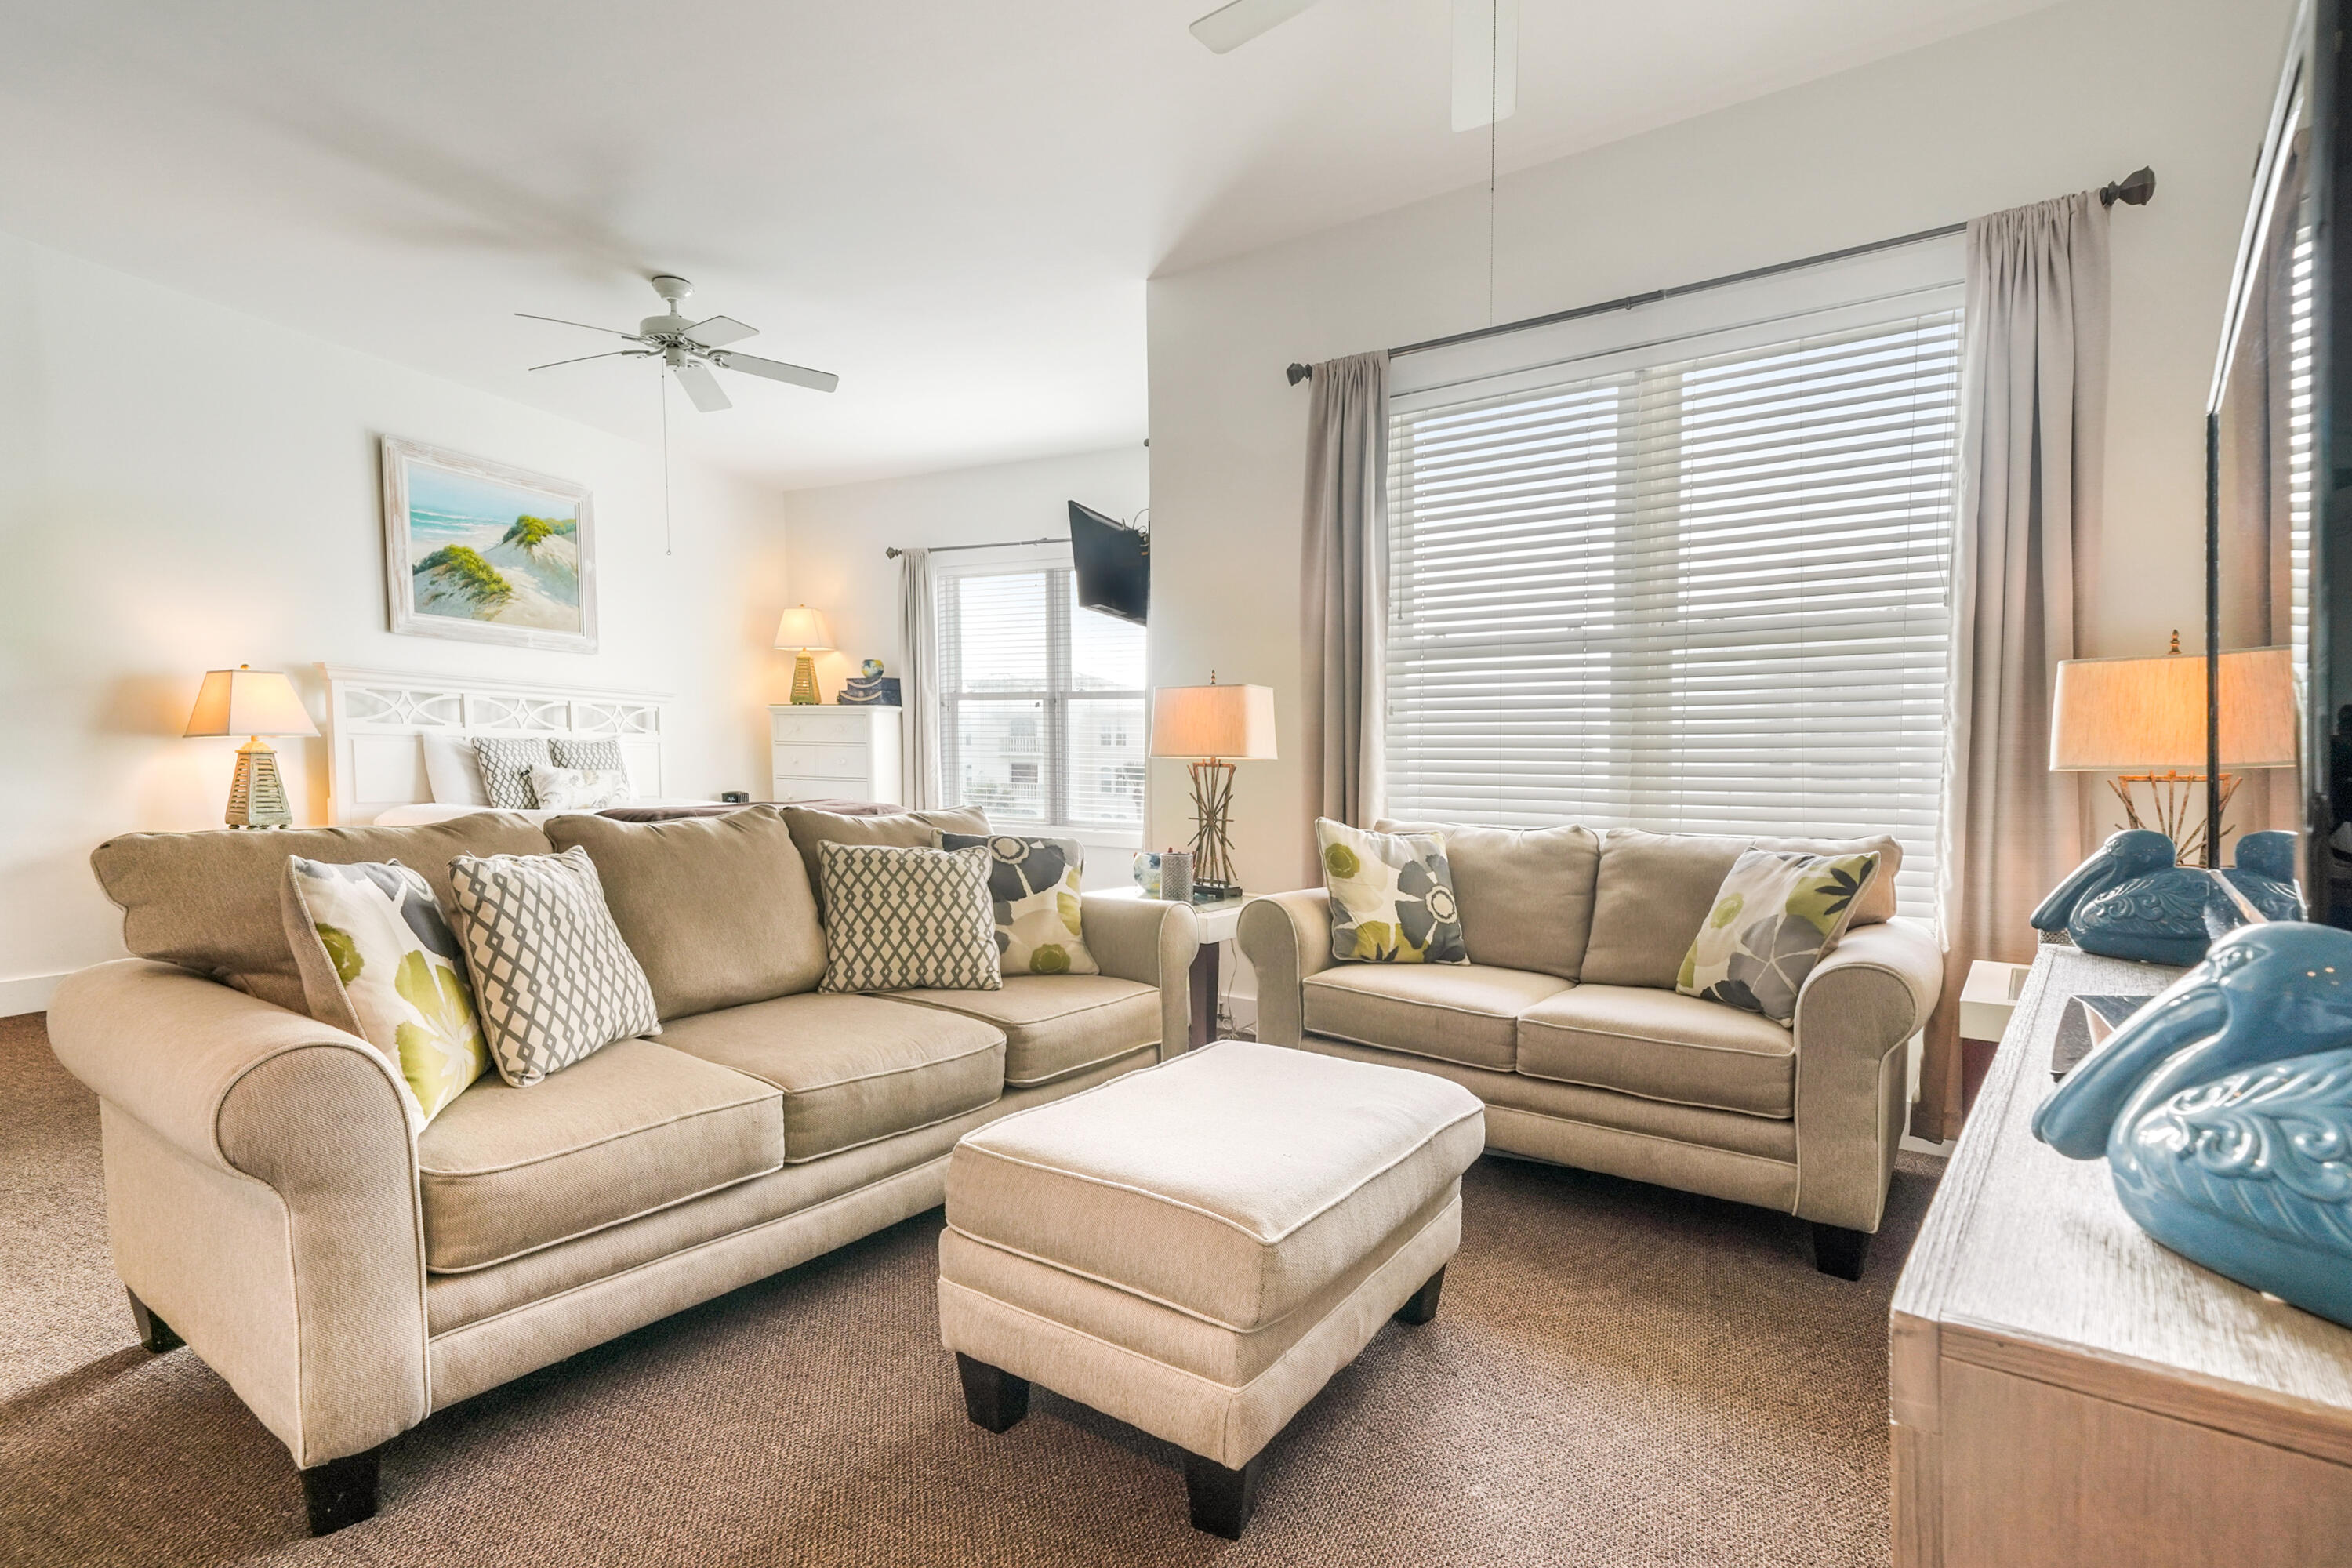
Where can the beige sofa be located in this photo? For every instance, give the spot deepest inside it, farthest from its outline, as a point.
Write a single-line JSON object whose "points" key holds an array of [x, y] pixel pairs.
{"points": [[1567, 1023], [268, 1203]]}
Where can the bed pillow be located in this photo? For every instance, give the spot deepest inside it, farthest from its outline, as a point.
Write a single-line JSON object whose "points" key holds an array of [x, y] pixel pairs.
{"points": [[1776, 913], [602, 752], [452, 771], [506, 762], [378, 960], [901, 917], [579, 789], [1032, 885], [1391, 896], [553, 981]]}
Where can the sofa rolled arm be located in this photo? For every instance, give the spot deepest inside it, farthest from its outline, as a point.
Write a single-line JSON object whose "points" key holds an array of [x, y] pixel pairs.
{"points": [[1286, 937], [1153, 942], [1869, 996], [261, 1196]]}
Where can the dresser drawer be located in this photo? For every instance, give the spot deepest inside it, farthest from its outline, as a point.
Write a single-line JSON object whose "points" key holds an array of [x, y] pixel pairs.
{"points": [[822, 761], [784, 790], [822, 725]]}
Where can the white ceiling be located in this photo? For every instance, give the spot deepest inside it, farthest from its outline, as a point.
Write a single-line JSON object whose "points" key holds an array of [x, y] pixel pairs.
{"points": [[953, 204]]}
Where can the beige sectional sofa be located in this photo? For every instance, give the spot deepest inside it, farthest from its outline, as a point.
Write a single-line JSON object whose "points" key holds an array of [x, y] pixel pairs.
{"points": [[269, 1205], [1567, 1023]]}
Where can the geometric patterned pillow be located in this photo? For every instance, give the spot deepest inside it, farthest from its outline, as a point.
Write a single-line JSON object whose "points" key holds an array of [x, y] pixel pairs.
{"points": [[901, 917], [1778, 911], [1034, 883], [602, 753], [377, 960], [1391, 896], [553, 981], [507, 761]]}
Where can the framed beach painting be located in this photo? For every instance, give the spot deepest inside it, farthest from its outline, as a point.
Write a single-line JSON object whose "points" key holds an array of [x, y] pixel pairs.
{"points": [[486, 552]]}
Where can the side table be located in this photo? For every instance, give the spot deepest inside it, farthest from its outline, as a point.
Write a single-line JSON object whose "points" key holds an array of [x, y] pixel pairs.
{"points": [[1219, 923]]}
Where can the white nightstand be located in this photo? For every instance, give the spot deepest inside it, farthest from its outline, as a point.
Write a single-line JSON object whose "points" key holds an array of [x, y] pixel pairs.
{"points": [[1220, 923], [826, 752]]}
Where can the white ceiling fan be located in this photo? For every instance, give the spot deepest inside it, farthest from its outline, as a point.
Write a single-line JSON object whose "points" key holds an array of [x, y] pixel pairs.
{"points": [[1486, 49], [690, 348]]}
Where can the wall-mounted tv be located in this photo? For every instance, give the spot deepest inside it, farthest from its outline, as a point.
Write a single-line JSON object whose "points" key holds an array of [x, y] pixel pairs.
{"points": [[1114, 565]]}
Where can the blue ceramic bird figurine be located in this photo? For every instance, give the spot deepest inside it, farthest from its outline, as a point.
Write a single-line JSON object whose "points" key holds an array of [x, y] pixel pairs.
{"points": [[2224, 1109], [2130, 900]]}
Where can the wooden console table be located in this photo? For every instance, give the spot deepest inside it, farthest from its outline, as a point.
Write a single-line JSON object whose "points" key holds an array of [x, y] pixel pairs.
{"points": [[2066, 1392]]}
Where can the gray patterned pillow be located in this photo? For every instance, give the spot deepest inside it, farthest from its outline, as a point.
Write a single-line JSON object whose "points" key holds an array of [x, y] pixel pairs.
{"points": [[899, 917], [506, 761], [600, 754], [553, 981]]}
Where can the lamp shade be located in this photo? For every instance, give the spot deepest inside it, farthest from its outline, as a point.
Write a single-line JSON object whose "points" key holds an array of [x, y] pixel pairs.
{"points": [[1231, 722], [805, 630], [2117, 715], [248, 702]]}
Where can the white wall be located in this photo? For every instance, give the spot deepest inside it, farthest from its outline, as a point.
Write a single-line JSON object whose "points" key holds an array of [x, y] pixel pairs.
{"points": [[184, 487], [2065, 98]]}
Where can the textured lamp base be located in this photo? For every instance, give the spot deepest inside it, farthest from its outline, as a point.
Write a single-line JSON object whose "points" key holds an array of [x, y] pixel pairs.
{"points": [[1212, 850], [804, 680], [256, 797]]}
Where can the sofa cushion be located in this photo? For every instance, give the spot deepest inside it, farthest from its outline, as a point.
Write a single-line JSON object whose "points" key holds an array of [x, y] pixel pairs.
{"points": [[1525, 894], [1457, 1013], [905, 830], [635, 1128], [718, 909], [209, 901], [1055, 1025], [852, 1069], [1660, 1045], [1234, 1182], [1655, 889]]}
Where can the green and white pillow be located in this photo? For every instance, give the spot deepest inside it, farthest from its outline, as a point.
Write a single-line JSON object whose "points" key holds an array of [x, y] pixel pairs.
{"points": [[1778, 911], [1391, 896], [907, 918], [377, 959], [1033, 884]]}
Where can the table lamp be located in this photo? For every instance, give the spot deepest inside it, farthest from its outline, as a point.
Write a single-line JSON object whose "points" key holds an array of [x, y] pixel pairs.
{"points": [[1212, 727], [802, 631], [253, 703], [2143, 720]]}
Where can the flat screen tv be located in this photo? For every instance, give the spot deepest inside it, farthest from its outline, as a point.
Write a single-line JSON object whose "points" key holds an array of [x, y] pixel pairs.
{"points": [[1114, 565]]}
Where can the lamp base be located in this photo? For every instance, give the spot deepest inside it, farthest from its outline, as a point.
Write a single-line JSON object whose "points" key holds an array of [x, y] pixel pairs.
{"points": [[805, 681], [2176, 797], [1213, 850], [257, 795]]}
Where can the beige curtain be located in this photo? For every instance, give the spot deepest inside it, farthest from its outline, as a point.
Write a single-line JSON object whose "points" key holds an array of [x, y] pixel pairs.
{"points": [[2034, 401], [1344, 591], [918, 685]]}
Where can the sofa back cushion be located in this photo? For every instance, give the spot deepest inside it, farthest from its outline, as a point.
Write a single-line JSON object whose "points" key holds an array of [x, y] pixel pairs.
{"points": [[1525, 894], [901, 830], [718, 909], [1655, 890], [209, 901]]}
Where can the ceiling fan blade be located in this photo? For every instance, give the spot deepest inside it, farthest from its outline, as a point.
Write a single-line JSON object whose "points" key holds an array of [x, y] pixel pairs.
{"points": [[703, 387], [584, 358], [1228, 28], [719, 330], [1485, 62], [560, 321], [777, 370]]}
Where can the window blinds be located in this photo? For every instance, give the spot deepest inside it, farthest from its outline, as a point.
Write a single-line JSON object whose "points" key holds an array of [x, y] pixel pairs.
{"points": [[1705, 592]]}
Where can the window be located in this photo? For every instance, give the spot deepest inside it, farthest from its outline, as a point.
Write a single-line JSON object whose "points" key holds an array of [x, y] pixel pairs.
{"points": [[1040, 702], [1681, 590]]}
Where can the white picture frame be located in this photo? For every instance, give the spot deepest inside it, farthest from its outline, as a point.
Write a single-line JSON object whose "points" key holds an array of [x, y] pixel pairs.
{"points": [[520, 587]]}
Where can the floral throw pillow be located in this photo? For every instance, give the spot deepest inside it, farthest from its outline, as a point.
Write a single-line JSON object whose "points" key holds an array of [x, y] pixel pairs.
{"points": [[1034, 883], [378, 959], [1391, 896], [1778, 913], [579, 789]]}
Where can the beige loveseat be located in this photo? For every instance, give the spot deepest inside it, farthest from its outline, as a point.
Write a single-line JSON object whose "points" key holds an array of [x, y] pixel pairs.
{"points": [[1567, 1023], [269, 1205]]}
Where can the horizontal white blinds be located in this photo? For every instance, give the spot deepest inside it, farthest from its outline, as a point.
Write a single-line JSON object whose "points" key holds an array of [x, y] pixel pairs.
{"points": [[1706, 594]]}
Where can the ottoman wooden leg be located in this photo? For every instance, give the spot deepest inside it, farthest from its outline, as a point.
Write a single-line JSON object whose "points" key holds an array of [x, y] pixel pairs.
{"points": [[993, 1397], [1222, 1499], [1423, 1303]]}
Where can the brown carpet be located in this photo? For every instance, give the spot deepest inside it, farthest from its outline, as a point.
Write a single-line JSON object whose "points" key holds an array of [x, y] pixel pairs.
{"points": [[1618, 1375]]}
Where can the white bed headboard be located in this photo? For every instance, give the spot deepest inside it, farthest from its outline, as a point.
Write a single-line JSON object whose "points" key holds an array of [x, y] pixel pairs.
{"points": [[374, 720]]}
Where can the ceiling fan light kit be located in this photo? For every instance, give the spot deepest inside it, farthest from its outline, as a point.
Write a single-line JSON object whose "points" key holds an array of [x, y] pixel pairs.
{"points": [[690, 350]]}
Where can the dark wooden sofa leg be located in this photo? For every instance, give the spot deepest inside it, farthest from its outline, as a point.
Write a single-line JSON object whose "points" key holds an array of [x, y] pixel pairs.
{"points": [[154, 1333], [992, 1397], [341, 1491], [1422, 1305], [1222, 1499], [1839, 1251]]}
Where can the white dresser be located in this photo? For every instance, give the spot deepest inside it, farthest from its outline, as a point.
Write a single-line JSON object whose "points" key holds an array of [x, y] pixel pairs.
{"points": [[823, 750]]}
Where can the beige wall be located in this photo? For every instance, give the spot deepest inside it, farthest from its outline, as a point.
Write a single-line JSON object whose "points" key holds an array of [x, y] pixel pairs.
{"points": [[2065, 98], [183, 487]]}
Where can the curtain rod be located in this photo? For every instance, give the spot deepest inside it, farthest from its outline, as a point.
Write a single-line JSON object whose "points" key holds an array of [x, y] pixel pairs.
{"points": [[2132, 189], [893, 552]]}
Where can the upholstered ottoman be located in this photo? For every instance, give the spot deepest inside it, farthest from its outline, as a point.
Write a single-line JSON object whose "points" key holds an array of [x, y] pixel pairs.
{"points": [[1197, 1248]]}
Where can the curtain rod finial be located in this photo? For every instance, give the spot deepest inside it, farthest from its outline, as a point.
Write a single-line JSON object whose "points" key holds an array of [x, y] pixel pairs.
{"points": [[2132, 189], [1297, 373]]}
